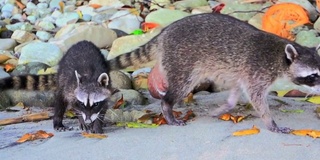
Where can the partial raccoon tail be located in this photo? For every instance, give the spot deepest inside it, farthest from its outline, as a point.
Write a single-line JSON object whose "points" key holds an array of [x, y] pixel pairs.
{"points": [[143, 54], [29, 82]]}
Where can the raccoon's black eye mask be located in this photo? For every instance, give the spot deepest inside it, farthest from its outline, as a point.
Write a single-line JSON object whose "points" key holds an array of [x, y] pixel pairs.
{"points": [[310, 80]]}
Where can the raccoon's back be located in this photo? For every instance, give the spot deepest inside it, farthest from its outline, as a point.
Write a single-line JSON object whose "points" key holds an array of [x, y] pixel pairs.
{"points": [[208, 38], [83, 57]]}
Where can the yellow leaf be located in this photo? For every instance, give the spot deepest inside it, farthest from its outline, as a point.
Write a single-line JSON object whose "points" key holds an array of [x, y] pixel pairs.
{"points": [[314, 134], [80, 14], [281, 93], [245, 132], [70, 114], [61, 4], [140, 125], [314, 99], [188, 99], [301, 132], [134, 11]]}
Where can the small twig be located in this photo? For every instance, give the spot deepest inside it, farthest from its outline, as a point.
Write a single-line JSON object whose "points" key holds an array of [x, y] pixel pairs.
{"points": [[25, 118], [258, 11]]}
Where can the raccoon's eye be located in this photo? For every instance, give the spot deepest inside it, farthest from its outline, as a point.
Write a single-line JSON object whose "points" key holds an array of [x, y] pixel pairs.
{"points": [[311, 78], [81, 103], [95, 104]]}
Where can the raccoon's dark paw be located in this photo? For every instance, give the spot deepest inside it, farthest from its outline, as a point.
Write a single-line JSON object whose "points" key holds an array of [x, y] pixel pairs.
{"points": [[284, 130], [62, 128], [176, 122]]}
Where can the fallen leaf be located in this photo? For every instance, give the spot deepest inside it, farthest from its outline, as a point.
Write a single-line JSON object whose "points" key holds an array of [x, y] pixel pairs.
{"points": [[237, 119], [301, 132], [146, 117], [61, 5], [95, 6], [20, 5], [137, 32], [225, 117], [314, 99], [147, 26], [176, 114], [188, 99], [189, 115], [93, 135], [119, 103], [140, 81], [70, 114], [245, 132], [80, 14], [34, 136], [9, 67], [134, 11], [314, 134], [292, 111], [136, 125]]}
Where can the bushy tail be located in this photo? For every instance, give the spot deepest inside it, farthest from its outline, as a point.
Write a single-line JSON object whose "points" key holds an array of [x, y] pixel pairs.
{"points": [[143, 54], [29, 82]]}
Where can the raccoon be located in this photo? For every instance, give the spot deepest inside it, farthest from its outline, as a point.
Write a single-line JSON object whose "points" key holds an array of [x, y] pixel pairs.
{"points": [[229, 53], [82, 83]]}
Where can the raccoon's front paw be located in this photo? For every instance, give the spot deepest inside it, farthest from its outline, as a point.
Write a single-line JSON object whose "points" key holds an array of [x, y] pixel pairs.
{"points": [[61, 128], [284, 130], [176, 122]]}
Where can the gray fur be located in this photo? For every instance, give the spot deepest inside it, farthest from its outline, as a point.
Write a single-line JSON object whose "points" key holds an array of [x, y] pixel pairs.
{"points": [[229, 53], [82, 84]]}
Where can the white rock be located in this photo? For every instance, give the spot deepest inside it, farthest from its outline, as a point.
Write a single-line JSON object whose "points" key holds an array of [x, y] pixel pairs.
{"points": [[44, 1], [125, 21], [22, 36], [157, 3], [7, 10], [32, 19], [55, 14], [70, 34], [13, 27], [256, 20], [26, 27], [46, 25], [44, 12], [31, 5], [7, 44], [87, 10], [46, 53], [164, 17], [42, 5], [69, 8], [184, 4], [54, 4], [43, 35], [202, 9], [3, 74], [109, 3], [67, 18]]}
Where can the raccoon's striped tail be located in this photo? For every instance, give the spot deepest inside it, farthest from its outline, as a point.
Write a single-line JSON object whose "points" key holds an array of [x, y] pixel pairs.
{"points": [[143, 54], [29, 82]]}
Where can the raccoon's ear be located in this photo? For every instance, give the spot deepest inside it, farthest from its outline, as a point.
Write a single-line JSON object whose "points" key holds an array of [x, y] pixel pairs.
{"points": [[78, 76], [103, 79], [291, 52]]}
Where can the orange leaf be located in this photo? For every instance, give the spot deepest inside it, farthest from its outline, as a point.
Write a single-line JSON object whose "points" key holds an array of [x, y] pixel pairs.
{"points": [[245, 132], [146, 26], [119, 103], [34, 136], [9, 67], [93, 135], [314, 134], [189, 115], [95, 6], [20, 5], [225, 117], [281, 18], [302, 132], [237, 119], [61, 5]]}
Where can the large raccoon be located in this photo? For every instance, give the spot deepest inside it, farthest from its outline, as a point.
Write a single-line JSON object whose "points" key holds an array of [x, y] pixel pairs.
{"points": [[82, 83], [228, 52]]}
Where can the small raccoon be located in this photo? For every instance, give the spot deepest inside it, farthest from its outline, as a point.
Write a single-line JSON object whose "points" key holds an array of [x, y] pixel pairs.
{"points": [[229, 53], [82, 83]]}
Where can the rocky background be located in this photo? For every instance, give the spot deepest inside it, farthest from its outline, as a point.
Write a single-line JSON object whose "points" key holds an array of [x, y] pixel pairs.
{"points": [[34, 35]]}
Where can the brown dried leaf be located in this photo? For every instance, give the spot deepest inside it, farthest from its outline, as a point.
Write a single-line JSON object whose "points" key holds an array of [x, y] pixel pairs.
{"points": [[225, 117], [119, 103], [34, 136], [93, 135]]}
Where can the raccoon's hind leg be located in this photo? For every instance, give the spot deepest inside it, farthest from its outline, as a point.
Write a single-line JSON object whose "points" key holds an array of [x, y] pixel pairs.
{"points": [[258, 98], [231, 103], [60, 107]]}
